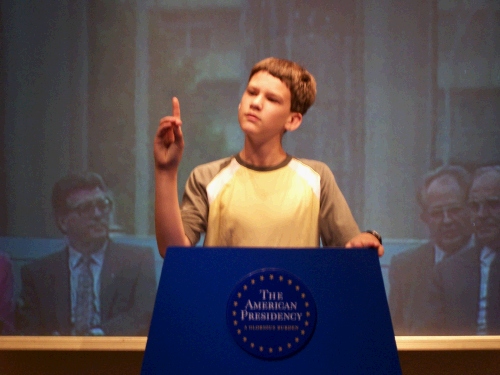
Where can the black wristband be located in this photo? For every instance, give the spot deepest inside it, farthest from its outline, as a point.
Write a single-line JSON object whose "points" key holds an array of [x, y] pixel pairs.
{"points": [[375, 234]]}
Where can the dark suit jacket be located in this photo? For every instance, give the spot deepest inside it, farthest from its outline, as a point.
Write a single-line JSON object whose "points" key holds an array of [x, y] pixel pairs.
{"points": [[6, 296], [128, 289], [409, 274], [454, 294]]}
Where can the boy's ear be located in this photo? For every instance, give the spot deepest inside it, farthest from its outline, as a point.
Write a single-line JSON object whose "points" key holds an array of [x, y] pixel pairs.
{"points": [[293, 122]]}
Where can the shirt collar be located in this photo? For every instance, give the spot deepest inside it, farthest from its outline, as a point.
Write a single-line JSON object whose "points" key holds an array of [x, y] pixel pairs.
{"points": [[487, 254], [440, 254], [96, 257]]}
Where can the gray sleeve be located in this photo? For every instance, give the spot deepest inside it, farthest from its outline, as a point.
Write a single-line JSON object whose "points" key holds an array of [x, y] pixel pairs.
{"points": [[194, 205], [336, 223]]}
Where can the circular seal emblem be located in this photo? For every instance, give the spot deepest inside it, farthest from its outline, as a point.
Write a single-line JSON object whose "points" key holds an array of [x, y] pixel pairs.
{"points": [[271, 314]]}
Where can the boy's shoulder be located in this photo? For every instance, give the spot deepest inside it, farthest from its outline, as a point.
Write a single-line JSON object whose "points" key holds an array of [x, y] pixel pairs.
{"points": [[206, 171], [317, 165], [214, 165], [211, 168]]}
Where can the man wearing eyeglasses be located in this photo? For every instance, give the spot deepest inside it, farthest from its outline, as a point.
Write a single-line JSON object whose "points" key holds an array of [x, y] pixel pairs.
{"points": [[442, 198], [94, 286], [466, 287]]}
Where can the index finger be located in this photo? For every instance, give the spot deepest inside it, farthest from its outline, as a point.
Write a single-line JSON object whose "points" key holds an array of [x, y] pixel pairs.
{"points": [[176, 108]]}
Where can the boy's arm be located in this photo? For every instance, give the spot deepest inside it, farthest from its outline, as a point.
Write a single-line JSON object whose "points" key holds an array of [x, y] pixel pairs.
{"points": [[168, 148]]}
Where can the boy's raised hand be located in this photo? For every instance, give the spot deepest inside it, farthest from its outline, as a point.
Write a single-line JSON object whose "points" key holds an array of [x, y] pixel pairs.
{"points": [[169, 142]]}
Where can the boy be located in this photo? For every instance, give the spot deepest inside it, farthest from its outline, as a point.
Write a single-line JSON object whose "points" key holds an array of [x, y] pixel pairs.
{"points": [[262, 196]]}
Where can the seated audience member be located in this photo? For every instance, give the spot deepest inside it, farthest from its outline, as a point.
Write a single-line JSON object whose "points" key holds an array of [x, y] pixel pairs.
{"points": [[443, 202], [466, 288], [93, 286], [6, 296]]}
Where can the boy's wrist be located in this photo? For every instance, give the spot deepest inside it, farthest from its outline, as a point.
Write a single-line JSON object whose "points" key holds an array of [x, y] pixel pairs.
{"points": [[166, 169], [375, 234]]}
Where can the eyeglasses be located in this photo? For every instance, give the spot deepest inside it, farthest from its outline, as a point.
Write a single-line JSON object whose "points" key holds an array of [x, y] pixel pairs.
{"points": [[87, 208], [492, 204], [439, 213]]}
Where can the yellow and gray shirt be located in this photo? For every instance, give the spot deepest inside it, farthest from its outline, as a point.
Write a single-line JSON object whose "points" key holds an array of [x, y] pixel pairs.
{"points": [[293, 204]]}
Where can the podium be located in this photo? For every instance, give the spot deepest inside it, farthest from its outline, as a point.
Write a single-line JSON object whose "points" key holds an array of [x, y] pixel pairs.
{"points": [[221, 310]]}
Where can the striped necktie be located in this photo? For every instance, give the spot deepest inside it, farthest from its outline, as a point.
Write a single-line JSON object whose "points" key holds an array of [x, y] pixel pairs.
{"points": [[84, 309]]}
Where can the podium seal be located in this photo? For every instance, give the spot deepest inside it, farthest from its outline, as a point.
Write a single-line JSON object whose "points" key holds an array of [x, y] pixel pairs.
{"points": [[271, 314]]}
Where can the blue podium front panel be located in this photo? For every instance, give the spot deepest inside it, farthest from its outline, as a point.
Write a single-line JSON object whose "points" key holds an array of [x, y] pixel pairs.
{"points": [[192, 330]]}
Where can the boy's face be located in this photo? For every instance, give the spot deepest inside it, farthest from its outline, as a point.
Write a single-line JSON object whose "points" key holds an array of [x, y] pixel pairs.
{"points": [[264, 110]]}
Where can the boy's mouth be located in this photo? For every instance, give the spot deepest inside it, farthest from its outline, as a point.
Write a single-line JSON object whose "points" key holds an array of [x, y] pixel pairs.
{"points": [[252, 117]]}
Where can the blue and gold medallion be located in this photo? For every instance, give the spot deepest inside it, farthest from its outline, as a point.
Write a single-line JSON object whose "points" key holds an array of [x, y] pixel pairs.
{"points": [[271, 314]]}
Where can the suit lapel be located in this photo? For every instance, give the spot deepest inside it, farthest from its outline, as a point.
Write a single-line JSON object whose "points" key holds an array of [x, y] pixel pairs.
{"points": [[62, 299], [108, 274], [419, 298], [428, 257], [469, 275]]}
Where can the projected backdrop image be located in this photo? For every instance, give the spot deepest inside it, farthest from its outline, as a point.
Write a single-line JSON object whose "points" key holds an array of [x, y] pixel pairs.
{"points": [[406, 117]]}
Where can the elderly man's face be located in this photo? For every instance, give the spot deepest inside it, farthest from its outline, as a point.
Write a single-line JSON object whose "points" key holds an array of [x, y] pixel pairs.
{"points": [[484, 200], [88, 216], [447, 215]]}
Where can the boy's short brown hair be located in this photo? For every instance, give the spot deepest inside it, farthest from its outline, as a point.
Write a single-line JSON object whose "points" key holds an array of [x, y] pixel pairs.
{"points": [[299, 81]]}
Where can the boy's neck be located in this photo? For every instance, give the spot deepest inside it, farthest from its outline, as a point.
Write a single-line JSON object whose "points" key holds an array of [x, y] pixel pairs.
{"points": [[261, 157]]}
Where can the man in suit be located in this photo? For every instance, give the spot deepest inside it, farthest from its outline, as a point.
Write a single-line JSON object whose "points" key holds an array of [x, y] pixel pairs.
{"points": [[442, 199], [465, 289], [94, 286]]}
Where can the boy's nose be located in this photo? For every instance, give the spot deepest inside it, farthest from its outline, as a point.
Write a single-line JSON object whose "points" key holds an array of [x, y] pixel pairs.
{"points": [[257, 101]]}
